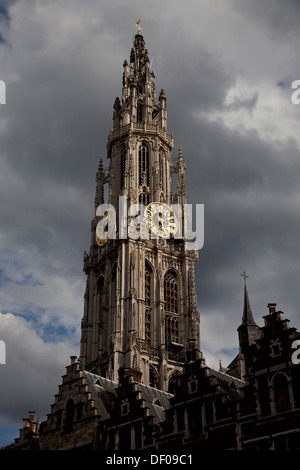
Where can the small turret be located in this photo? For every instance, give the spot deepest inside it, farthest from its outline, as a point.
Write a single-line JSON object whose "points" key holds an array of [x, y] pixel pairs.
{"points": [[163, 109]]}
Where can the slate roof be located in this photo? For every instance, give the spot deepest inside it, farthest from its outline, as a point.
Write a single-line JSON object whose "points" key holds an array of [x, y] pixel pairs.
{"points": [[230, 385], [104, 390], [156, 400], [234, 362]]}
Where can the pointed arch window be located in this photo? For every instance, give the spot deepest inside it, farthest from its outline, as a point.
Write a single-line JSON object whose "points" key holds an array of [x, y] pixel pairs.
{"points": [[123, 163], [143, 165], [148, 280], [171, 309]]}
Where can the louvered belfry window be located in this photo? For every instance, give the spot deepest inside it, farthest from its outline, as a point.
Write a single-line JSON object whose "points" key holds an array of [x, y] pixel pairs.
{"points": [[143, 165], [148, 304], [171, 293]]}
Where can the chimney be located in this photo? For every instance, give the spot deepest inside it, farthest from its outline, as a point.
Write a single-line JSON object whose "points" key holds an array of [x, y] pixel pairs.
{"points": [[193, 355], [73, 360], [272, 308], [129, 374]]}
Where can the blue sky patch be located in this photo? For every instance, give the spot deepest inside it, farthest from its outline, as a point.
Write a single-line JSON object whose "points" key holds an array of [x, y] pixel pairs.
{"points": [[8, 434], [284, 84], [4, 16]]}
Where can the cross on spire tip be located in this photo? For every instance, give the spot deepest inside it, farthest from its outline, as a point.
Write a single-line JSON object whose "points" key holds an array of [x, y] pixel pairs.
{"points": [[245, 277]]}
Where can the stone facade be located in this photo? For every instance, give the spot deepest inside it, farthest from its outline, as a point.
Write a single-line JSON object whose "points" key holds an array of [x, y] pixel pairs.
{"points": [[140, 301]]}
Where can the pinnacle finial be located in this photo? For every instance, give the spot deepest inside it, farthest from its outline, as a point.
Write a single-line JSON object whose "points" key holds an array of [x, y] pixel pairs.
{"points": [[180, 153], [138, 25]]}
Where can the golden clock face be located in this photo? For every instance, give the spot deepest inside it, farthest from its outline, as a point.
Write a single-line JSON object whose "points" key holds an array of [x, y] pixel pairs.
{"points": [[105, 227], [161, 220]]}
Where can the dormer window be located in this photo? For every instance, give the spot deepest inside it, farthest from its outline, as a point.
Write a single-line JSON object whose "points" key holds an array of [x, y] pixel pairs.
{"points": [[156, 402], [124, 407], [275, 348], [192, 385]]}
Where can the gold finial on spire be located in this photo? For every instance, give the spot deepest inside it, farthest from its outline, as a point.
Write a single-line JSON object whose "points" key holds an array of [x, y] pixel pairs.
{"points": [[138, 25]]}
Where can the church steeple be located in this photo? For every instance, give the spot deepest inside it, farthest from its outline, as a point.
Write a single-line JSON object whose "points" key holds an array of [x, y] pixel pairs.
{"points": [[139, 102], [247, 312], [139, 117], [248, 331], [140, 303]]}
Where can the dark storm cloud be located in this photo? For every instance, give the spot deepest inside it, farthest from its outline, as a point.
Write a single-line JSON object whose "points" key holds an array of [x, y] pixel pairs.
{"points": [[250, 189], [281, 18]]}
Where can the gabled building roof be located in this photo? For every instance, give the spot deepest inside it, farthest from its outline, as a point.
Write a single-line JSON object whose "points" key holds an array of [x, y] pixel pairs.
{"points": [[104, 391], [230, 384]]}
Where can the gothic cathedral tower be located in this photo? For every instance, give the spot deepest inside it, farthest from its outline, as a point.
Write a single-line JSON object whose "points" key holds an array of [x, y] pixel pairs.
{"points": [[140, 308]]}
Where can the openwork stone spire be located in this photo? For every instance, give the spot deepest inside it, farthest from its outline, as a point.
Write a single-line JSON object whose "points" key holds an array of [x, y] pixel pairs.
{"points": [[140, 304]]}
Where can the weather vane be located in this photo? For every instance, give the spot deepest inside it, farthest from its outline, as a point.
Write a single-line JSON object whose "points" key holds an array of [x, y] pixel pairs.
{"points": [[138, 25], [244, 276]]}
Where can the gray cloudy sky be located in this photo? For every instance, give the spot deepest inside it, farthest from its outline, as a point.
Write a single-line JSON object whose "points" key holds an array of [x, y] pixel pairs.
{"points": [[226, 67]]}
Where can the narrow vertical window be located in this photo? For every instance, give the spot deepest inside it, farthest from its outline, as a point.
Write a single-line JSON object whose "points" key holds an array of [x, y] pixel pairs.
{"points": [[144, 198], [171, 292], [139, 111], [143, 165], [161, 165], [148, 274], [123, 163], [171, 309], [70, 414]]}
